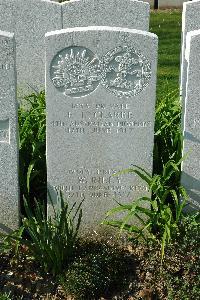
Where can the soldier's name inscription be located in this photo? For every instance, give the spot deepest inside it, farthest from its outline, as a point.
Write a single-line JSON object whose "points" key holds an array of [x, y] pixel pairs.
{"points": [[100, 118], [97, 183]]}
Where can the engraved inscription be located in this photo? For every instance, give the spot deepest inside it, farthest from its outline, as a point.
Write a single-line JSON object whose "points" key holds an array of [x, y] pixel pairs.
{"points": [[100, 118], [5, 92], [5, 66], [196, 122], [4, 131], [6, 61], [6, 46], [97, 183], [125, 71], [75, 71]]}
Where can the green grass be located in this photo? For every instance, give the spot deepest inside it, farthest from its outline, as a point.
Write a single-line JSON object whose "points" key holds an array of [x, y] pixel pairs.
{"points": [[168, 133], [167, 25]]}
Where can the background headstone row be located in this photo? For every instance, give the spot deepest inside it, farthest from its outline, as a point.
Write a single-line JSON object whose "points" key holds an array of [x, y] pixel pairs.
{"points": [[29, 20]]}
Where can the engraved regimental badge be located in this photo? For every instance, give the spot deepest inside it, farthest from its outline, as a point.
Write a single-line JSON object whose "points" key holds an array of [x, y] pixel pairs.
{"points": [[125, 71], [75, 71]]}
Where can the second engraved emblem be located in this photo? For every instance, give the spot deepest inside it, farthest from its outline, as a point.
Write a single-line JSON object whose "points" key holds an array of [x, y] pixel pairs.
{"points": [[125, 71]]}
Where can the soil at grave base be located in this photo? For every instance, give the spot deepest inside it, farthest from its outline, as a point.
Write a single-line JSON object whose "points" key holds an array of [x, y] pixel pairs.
{"points": [[23, 278]]}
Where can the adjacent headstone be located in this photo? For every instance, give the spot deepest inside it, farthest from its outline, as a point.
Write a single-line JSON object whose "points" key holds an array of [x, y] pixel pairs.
{"points": [[9, 186], [116, 13], [191, 164], [190, 22], [100, 93], [30, 20]]}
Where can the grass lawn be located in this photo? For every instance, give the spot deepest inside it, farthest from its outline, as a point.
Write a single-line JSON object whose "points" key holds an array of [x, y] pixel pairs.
{"points": [[167, 25]]}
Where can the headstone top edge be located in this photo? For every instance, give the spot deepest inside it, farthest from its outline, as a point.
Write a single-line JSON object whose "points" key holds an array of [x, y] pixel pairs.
{"points": [[51, 1], [193, 33], [7, 34], [139, 2], [190, 3], [189, 37], [100, 28]]}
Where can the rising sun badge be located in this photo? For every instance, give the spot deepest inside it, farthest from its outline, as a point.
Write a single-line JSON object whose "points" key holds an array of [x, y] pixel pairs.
{"points": [[75, 71]]}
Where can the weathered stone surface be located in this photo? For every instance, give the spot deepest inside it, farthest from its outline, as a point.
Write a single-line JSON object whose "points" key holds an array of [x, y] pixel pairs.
{"points": [[30, 20], [116, 13], [9, 186], [190, 22], [191, 165], [100, 93]]}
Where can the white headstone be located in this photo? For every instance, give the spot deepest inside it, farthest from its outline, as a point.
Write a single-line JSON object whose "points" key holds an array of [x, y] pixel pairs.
{"points": [[30, 20], [191, 165], [116, 13], [190, 22], [100, 93], [9, 185]]}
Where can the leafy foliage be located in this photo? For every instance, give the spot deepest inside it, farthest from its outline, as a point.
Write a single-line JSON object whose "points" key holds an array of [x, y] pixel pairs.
{"points": [[168, 134], [52, 241], [159, 218], [11, 242], [5, 296], [32, 128]]}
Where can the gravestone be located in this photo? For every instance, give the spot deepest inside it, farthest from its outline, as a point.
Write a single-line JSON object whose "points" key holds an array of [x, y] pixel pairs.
{"points": [[190, 22], [100, 93], [191, 164], [30, 20], [9, 186], [116, 13]]}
